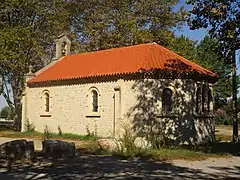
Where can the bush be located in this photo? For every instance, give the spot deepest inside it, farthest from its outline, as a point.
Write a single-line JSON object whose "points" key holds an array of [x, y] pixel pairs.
{"points": [[5, 112], [29, 127], [221, 117]]}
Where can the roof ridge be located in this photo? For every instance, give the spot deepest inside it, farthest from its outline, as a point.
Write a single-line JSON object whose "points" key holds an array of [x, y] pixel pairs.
{"points": [[105, 50]]}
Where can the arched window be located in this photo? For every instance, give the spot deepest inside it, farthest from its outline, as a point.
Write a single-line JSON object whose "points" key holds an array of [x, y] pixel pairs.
{"points": [[46, 101], [94, 101], [210, 99], [167, 99], [204, 97], [198, 99]]}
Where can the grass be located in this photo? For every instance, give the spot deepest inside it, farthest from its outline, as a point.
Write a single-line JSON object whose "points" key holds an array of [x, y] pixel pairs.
{"points": [[223, 137], [174, 154], [171, 154], [39, 135], [91, 147]]}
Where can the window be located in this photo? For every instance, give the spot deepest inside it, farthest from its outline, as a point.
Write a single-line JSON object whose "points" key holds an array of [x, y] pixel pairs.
{"points": [[94, 101], [167, 99], [46, 101], [210, 99], [198, 99]]}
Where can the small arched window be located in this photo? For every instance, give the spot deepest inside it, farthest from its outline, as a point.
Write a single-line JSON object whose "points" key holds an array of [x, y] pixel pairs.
{"points": [[167, 100], [210, 100], [94, 101], [46, 101]]}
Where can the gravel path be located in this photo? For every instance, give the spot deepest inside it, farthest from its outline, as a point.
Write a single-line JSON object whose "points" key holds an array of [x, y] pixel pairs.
{"points": [[109, 167]]}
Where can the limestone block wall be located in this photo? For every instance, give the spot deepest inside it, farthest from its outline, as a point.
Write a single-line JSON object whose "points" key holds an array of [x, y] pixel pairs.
{"points": [[121, 102], [70, 108]]}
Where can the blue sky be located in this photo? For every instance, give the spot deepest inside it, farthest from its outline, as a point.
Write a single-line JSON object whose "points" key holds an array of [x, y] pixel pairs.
{"points": [[196, 35]]}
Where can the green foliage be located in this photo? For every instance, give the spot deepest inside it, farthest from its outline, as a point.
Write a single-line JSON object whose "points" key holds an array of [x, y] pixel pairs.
{"points": [[27, 29], [183, 46], [222, 19], [5, 112], [225, 114], [221, 117], [127, 144], [29, 127], [125, 22], [47, 133]]}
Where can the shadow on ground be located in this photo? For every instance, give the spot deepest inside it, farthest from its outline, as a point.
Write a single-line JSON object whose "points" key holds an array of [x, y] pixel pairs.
{"points": [[86, 166], [221, 148]]}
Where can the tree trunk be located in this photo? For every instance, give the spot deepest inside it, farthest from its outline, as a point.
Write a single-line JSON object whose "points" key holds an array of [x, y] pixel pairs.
{"points": [[234, 99], [17, 87], [18, 116]]}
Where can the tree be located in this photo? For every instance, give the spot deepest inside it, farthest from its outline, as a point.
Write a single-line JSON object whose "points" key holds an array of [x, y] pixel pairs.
{"points": [[183, 46], [110, 23], [27, 29], [222, 18]]}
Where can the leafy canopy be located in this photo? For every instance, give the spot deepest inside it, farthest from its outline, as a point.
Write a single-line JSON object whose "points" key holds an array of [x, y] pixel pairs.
{"points": [[221, 17], [26, 30], [110, 23]]}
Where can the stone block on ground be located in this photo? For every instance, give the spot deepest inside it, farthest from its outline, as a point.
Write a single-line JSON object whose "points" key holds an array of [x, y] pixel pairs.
{"points": [[29, 150], [141, 142], [109, 144], [58, 148], [17, 149]]}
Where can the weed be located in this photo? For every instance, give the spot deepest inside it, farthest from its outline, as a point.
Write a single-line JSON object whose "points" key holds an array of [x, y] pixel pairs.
{"points": [[60, 131], [90, 134], [47, 133], [29, 127]]}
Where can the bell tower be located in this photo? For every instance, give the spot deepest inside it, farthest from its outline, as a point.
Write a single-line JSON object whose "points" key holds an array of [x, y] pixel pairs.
{"points": [[63, 45]]}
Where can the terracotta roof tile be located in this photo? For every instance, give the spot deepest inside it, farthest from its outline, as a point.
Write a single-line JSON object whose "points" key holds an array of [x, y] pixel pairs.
{"points": [[119, 61]]}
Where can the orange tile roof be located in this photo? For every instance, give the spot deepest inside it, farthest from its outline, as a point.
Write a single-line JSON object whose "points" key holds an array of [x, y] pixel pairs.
{"points": [[116, 61]]}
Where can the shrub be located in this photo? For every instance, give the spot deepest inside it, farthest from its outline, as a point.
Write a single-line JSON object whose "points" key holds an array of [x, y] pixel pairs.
{"points": [[29, 127], [221, 117], [5, 112], [47, 133]]}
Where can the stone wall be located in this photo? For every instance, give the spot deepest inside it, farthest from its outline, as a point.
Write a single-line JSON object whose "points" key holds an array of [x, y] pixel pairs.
{"points": [[135, 102]]}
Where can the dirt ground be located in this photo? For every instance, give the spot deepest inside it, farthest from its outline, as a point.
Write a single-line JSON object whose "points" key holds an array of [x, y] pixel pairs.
{"points": [[111, 167], [225, 130]]}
